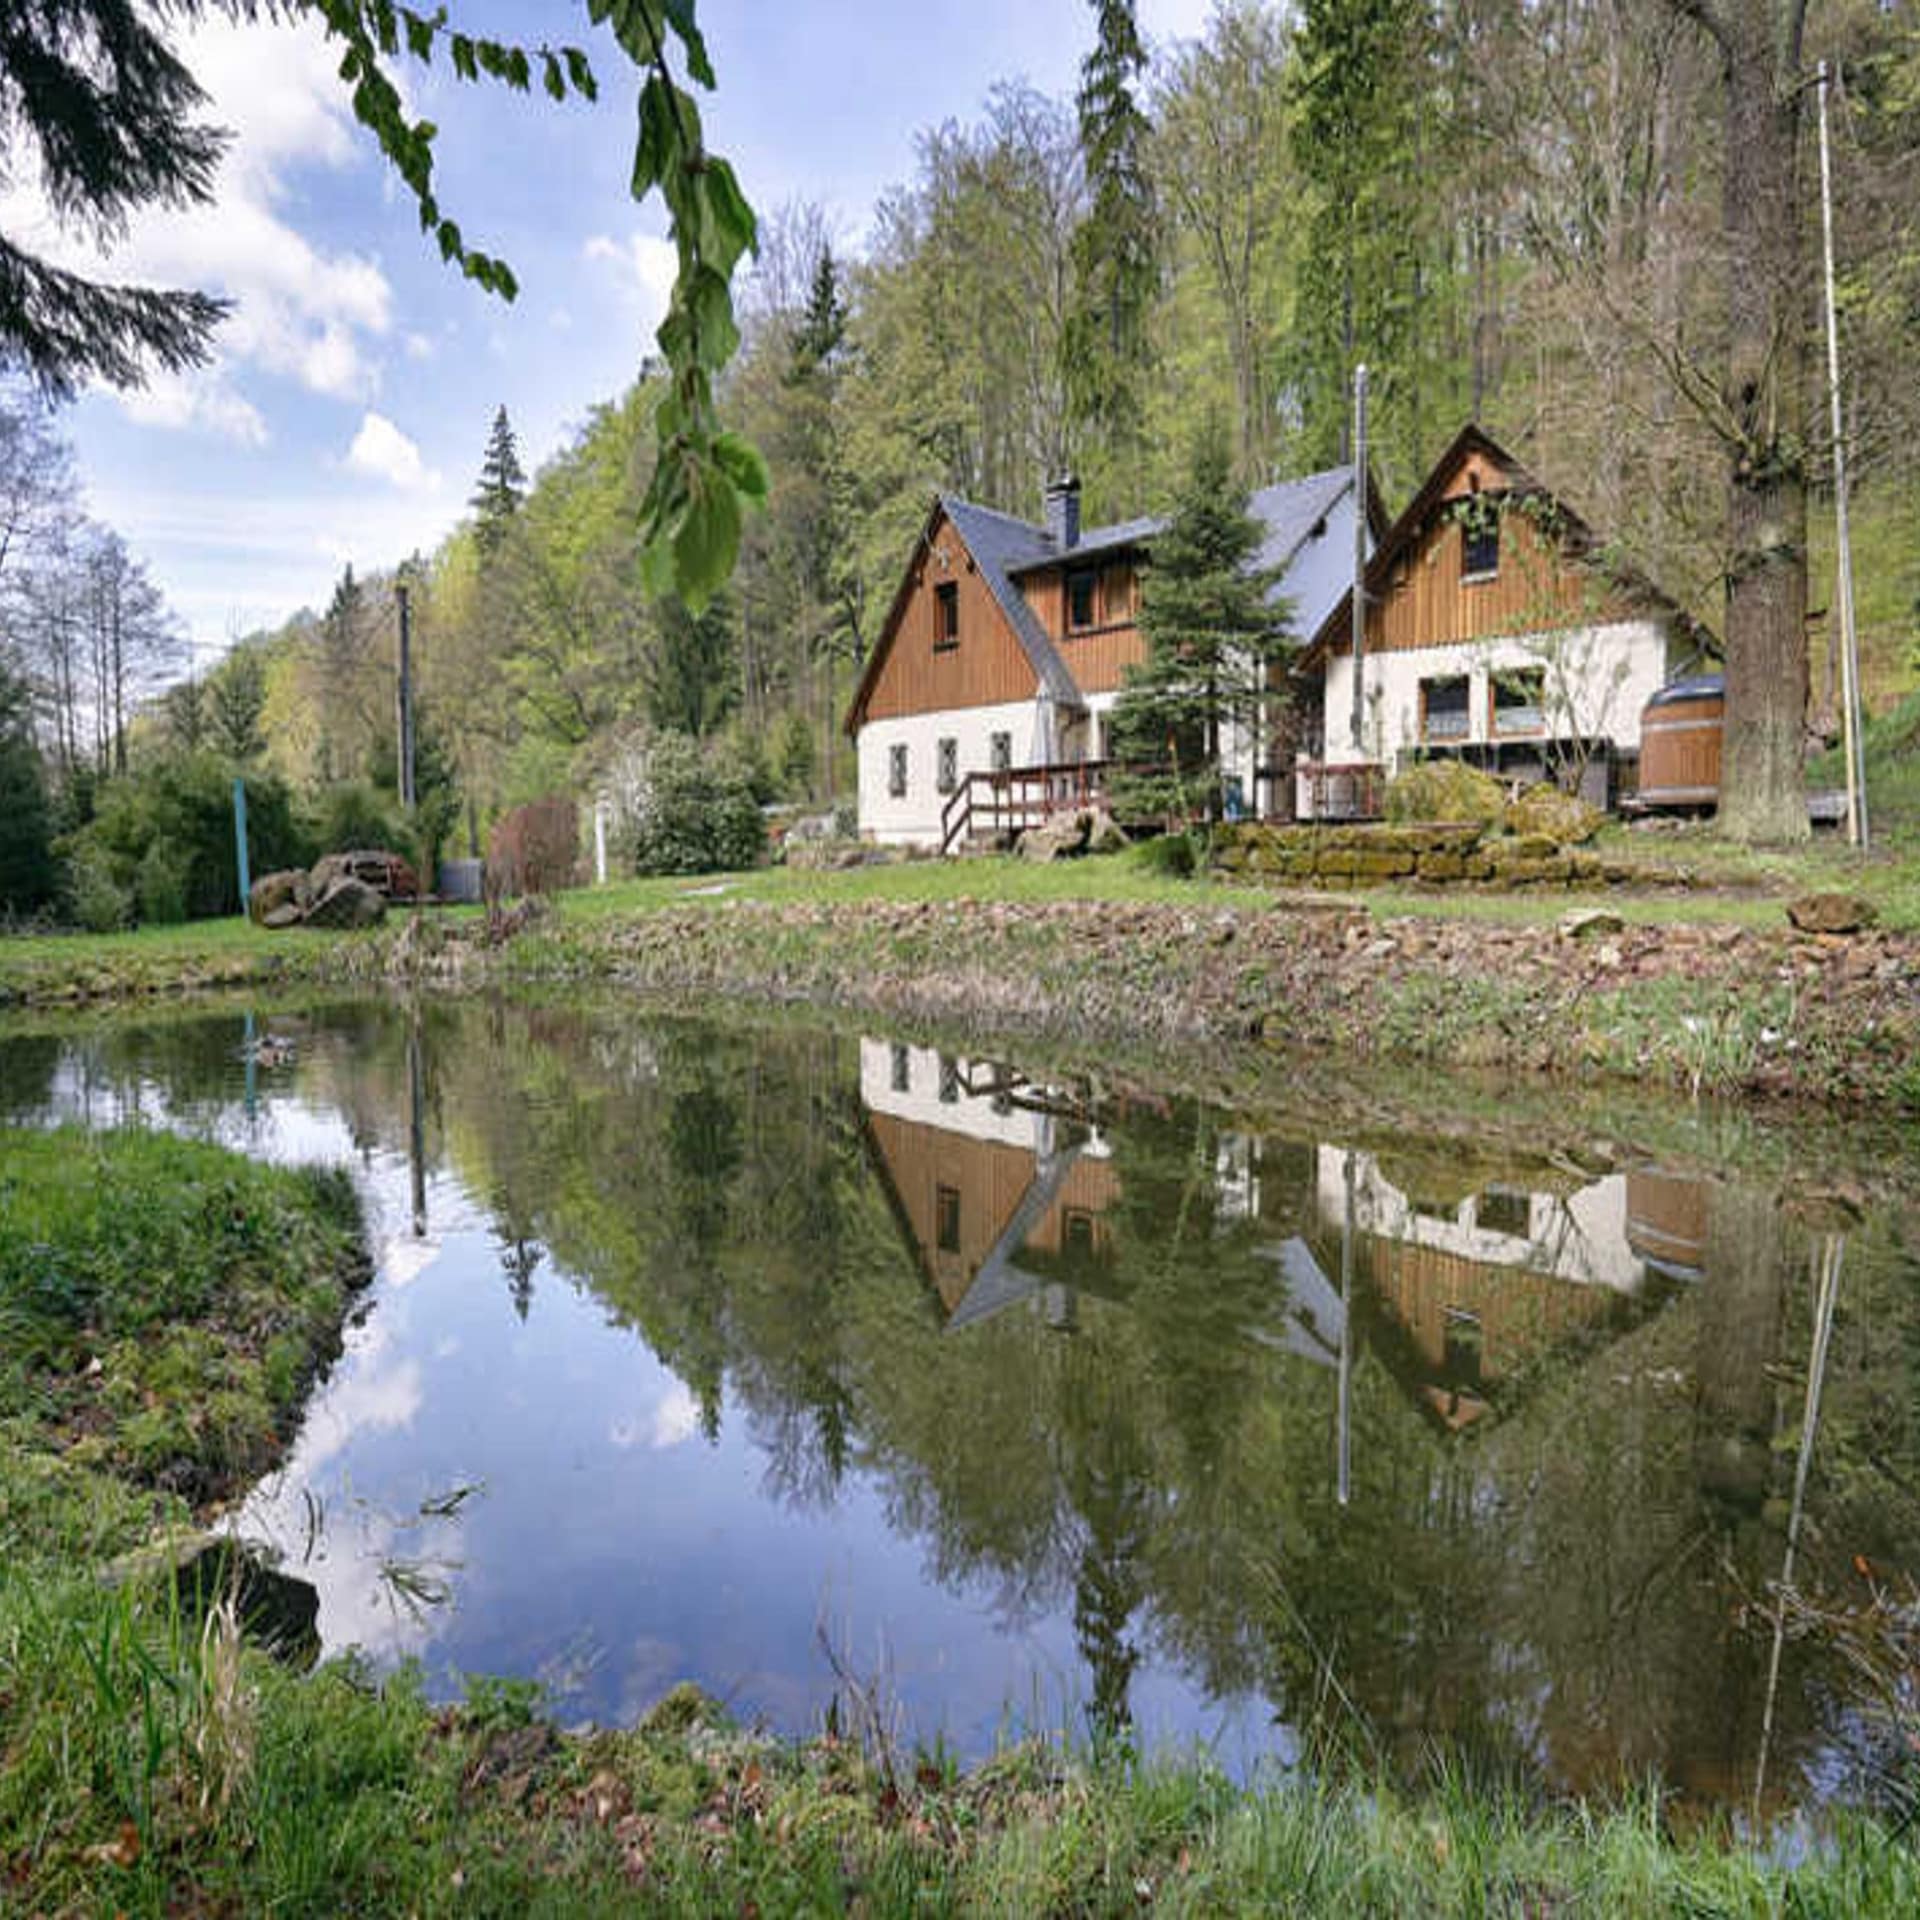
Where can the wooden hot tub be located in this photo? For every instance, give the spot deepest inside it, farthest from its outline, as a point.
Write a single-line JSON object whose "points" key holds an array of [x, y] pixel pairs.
{"points": [[1680, 743]]}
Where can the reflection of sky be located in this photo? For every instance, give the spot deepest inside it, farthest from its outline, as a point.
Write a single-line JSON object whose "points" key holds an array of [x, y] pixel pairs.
{"points": [[603, 1544]]}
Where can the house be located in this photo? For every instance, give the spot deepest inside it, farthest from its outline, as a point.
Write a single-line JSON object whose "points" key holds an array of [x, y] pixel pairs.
{"points": [[1498, 631], [986, 699]]}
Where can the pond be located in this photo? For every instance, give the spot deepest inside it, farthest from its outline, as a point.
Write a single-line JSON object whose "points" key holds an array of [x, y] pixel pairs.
{"points": [[813, 1367]]}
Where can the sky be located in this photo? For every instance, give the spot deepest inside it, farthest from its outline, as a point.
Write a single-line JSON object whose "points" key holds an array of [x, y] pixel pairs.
{"points": [[345, 412]]}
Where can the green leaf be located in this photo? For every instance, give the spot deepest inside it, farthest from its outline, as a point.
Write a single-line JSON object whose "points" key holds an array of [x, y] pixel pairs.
{"points": [[580, 72], [419, 35], [463, 61], [744, 464], [654, 150], [680, 15], [550, 70], [709, 305], [733, 227]]}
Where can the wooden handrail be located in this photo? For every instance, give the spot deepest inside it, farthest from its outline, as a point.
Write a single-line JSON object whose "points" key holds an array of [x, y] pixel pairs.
{"points": [[1020, 796]]}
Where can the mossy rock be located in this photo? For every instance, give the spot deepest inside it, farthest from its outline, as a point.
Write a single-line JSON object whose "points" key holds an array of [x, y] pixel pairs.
{"points": [[1442, 866], [1562, 817], [1445, 790]]}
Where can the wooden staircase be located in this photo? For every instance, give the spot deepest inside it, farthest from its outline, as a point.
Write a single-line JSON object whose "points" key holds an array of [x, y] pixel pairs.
{"points": [[986, 806]]}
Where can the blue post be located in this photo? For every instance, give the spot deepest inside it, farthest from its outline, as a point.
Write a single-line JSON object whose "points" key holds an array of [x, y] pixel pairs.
{"points": [[240, 837]]}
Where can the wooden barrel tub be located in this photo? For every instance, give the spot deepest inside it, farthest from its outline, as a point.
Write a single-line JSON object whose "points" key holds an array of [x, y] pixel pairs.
{"points": [[1680, 730]]}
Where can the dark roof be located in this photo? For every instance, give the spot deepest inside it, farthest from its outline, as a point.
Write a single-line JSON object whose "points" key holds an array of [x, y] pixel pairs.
{"points": [[1095, 540], [1291, 509], [1702, 686], [998, 542]]}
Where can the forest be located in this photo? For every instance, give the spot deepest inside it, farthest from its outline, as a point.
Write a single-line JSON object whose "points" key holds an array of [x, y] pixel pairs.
{"points": [[1527, 216]]}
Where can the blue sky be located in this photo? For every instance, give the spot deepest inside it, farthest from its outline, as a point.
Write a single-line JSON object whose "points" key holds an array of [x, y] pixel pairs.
{"points": [[345, 414]]}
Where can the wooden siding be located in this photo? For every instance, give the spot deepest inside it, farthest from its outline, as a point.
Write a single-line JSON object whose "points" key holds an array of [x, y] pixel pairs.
{"points": [[1096, 656], [1520, 1313], [1426, 603], [990, 1176], [988, 666], [1680, 749]]}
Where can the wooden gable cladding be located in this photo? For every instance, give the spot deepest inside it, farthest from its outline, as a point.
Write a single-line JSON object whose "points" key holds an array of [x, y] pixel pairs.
{"points": [[1097, 656], [985, 1181], [1427, 599], [986, 667]]}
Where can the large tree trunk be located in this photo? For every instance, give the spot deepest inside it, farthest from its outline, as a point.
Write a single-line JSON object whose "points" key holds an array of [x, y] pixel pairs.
{"points": [[1762, 785]]}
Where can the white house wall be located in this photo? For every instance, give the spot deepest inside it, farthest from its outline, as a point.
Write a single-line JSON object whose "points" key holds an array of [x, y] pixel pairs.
{"points": [[1599, 681], [914, 820]]}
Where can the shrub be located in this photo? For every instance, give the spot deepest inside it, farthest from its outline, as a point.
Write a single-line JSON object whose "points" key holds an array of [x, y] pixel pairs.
{"points": [[534, 849], [1445, 790], [98, 902], [355, 815], [160, 886], [681, 814], [1175, 855]]}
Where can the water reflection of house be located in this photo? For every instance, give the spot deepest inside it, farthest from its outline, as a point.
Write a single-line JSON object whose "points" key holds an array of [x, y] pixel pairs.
{"points": [[1001, 1192], [1470, 1280]]}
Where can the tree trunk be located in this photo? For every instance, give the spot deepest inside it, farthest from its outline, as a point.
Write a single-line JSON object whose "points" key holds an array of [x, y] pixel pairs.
{"points": [[1762, 782]]}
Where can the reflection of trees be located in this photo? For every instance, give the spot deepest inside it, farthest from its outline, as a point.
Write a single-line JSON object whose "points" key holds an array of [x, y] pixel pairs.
{"points": [[1561, 1585]]}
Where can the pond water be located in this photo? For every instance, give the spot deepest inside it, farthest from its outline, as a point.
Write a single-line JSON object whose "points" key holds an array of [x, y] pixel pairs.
{"points": [[801, 1365]]}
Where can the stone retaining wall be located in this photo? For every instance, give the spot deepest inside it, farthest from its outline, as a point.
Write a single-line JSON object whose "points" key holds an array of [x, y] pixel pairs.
{"points": [[1440, 853]]}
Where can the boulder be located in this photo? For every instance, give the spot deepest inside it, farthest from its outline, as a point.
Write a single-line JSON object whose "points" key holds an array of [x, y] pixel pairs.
{"points": [[1562, 817], [1831, 913], [1057, 839], [1445, 790], [273, 892], [278, 919], [347, 905], [387, 873], [1107, 835]]}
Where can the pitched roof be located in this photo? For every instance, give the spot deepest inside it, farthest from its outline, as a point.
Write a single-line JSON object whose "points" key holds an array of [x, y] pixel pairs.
{"points": [[1412, 523], [997, 542], [1004, 548]]}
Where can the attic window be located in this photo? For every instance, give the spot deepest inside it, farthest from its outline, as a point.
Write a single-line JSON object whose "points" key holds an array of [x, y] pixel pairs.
{"points": [[946, 616], [1480, 544], [1083, 599]]}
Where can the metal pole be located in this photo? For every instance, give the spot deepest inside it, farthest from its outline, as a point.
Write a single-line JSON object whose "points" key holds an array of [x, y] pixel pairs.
{"points": [[1359, 551], [1857, 830], [405, 742], [240, 840]]}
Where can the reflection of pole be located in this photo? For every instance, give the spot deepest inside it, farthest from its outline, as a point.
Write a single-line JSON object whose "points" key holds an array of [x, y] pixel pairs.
{"points": [[1358, 720], [417, 1125], [1848, 638], [1829, 1291], [1345, 1471], [249, 1044]]}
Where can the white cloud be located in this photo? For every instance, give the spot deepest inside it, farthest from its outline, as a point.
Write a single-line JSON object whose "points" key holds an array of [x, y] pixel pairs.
{"points": [[419, 346], [205, 402], [643, 268], [381, 449], [300, 310]]}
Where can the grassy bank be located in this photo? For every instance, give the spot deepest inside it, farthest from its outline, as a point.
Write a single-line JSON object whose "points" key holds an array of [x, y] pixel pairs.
{"points": [[151, 1763]]}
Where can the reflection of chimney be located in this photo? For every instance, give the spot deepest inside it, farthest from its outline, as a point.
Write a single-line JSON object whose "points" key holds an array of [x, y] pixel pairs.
{"points": [[1063, 511]]}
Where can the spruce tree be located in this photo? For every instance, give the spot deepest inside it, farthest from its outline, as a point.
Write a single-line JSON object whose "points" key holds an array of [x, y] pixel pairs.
{"points": [[1114, 258], [503, 484], [1213, 627]]}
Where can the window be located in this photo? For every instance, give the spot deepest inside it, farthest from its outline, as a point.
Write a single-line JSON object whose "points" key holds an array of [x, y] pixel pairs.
{"points": [[949, 1080], [897, 771], [1505, 1210], [1444, 708], [1083, 600], [946, 765], [902, 1069], [1519, 701], [1077, 1232], [946, 1219], [1000, 752], [946, 615], [1463, 1352], [1480, 542]]}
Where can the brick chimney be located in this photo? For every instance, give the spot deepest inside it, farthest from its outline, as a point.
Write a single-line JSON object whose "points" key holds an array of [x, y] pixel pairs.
{"points": [[1063, 512]]}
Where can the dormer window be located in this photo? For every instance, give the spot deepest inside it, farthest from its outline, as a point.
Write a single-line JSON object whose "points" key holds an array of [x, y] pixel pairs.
{"points": [[1083, 599], [946, 615]]}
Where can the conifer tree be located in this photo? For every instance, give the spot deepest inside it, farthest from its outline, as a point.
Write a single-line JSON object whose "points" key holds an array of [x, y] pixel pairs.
{"points": [[503, 484], [1114, 258], [1213, 626]]}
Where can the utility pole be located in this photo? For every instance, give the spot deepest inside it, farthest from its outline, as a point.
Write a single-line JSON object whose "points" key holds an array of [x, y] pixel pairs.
{"points": [[404, 740], [1848, 638], [1359, 553]]}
